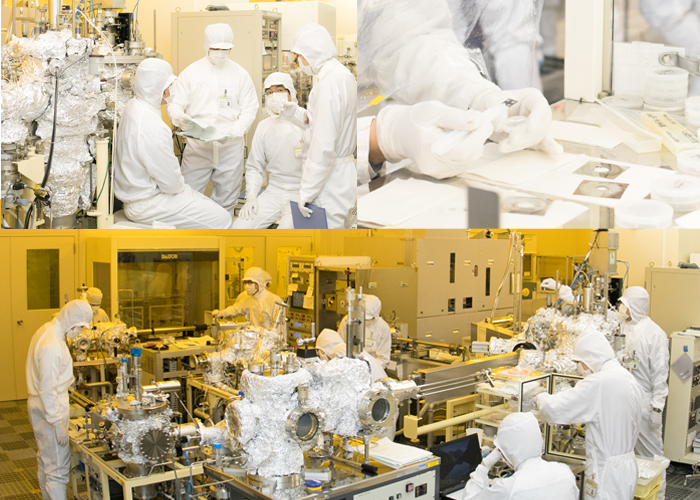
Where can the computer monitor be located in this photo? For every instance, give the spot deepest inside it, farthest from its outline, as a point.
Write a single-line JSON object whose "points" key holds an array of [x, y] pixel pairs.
{"points": [[458, 459]]}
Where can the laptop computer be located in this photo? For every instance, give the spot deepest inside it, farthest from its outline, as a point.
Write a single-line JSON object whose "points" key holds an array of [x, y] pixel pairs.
{"points": [[458, 459]]}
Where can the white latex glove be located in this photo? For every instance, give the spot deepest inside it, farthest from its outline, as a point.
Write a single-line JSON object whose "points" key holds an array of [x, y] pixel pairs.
{"points": [[410, 132], [250, 208], [534, 133], [61, 434], [304, 210], [288, 109], [234, 133], [185, 122], [215, 313], [491, 459], [655, 421], [541, 399], [548, 284], [566, 294]]}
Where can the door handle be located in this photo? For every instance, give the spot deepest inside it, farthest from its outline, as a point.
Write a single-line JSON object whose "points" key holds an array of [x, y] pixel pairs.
{"points": [[20, 322]]}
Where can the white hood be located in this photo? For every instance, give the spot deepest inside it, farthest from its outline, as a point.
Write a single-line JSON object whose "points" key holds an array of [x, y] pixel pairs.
{"points": [[93, 296], [330, 344], [152, 77], [282, 79], [316, 45], [593, 349], [74, 313], [636, 299], [519, 438], [257, 275], [373, 307], [218, 36]]}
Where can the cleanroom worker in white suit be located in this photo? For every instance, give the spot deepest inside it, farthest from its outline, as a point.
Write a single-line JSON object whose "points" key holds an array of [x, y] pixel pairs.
{"points": [[647, 343], [49, 373], [276, 148], [377, 331], [147, 176], [329, 176], [519, 443], [609, 401], [215, 91], [261, 304], [409, 50], [94, 297]]}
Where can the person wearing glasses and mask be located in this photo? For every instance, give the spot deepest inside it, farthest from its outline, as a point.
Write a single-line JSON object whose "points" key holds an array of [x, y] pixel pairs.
{"points": [[276, 149]]}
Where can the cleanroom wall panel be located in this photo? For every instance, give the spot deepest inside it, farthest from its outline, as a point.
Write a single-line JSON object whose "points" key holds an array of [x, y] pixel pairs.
{"points": [[8, 390], [43, 279]]}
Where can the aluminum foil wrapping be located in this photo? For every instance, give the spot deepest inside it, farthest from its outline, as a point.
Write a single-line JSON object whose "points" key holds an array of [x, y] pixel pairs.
{"points": [[126, 433], [269, 449], [501, 346], [336, 390], [213, 435], [30, 96], [14, 131], [555, 336], [69, 173], [23, 101]]}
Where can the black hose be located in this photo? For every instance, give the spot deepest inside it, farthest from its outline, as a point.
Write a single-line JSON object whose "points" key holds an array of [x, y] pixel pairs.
{"points": [[53, 135]]}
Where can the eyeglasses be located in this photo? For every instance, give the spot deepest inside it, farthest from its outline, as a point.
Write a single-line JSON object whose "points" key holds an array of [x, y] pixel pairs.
{"points": [[268, 93]]}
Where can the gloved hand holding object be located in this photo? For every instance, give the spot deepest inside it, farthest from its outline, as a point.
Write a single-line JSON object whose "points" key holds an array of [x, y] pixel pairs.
{"points": [[61, 434], [540, 399], [655, 420], [185, 122], [517, 135], [411, 131], [250, 208], [305, 211], [492, 458]]}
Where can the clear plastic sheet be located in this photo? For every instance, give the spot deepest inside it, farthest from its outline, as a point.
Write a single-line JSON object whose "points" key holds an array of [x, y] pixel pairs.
{"points": [[336, 390]]}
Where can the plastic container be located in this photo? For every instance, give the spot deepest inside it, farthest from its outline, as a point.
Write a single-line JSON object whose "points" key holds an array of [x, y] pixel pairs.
{"points": [[682, 192], [692, 112], [653, 494], [666, 88], [643, 214], [648, 487], [624, 101], [689, 161]]}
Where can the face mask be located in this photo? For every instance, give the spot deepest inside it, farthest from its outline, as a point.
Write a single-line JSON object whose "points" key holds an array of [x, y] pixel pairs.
{"points": [[584, 371], [168, 99], [275, 101], [95, 310], [624, 313], [251, 288], [73, 332], [217, 57], [307, 70]]}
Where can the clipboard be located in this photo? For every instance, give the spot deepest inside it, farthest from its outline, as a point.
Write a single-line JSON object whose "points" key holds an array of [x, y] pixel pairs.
{"points": [[316, 221]]}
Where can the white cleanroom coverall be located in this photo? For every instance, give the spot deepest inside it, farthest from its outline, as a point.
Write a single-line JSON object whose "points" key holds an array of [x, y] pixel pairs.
{"points": [[520, 442], [49, 373], [609, 401], [276, 148], [219, 93], [147, 176], [329, 176], [261, 303], [377, 331], [648, 343], [94, 298]]}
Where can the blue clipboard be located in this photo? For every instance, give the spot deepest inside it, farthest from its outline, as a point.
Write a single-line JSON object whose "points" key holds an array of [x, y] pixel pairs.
{"points": [[316, 221]]}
